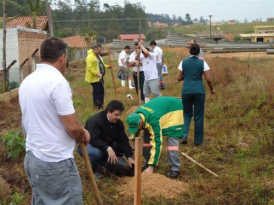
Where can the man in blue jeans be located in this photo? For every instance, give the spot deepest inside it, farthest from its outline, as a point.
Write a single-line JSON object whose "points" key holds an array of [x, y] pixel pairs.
{"points": [[109, 142]]}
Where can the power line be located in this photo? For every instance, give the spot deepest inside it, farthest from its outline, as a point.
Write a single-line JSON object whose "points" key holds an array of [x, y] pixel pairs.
{"points": [[124, 19]]}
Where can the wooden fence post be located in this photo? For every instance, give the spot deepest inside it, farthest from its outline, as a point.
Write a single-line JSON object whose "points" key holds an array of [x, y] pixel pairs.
{"points": [[137, 174]]}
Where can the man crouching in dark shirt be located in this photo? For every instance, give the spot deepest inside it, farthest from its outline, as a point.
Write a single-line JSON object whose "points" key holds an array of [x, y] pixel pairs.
{"points": [[108, 140]]}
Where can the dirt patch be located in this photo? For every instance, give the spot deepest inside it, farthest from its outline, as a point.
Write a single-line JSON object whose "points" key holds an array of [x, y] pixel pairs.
{"points": [[154, 185], [10, 114], [229, 36], [182, 50], [132, 110], [5, 189], [240, 55]]}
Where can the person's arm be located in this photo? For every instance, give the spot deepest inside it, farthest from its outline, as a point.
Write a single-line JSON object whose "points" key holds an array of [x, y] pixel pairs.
{"points": [[74, 129], [61, 96], [208, 78], [123, 143], [95, 127], [180, 74], [145, 51], [209, 82], [163, 62]]}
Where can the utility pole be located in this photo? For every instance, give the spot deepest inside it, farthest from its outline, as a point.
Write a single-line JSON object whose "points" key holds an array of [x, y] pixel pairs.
{"points": [[6, 72], [210, 26], [48, 9]]}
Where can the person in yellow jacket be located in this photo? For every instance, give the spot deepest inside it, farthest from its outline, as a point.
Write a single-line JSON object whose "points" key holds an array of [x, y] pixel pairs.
{"points": [[95, 71]]}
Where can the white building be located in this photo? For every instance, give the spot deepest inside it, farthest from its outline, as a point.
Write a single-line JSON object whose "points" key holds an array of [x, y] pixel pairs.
{"points": [[21, 44]]}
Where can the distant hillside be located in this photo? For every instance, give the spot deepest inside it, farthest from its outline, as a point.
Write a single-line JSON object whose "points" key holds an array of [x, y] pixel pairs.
{"points": [[163, 18]]}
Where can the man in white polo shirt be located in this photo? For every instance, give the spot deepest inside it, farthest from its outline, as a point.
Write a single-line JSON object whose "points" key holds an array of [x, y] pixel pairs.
{"points": [[51, 127], [160, 61], [134, 63], [122, 61], [151, 84]]}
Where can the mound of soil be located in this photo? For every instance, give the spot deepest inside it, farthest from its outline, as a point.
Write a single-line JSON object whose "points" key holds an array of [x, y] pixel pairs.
{"points": [[154, 185]]}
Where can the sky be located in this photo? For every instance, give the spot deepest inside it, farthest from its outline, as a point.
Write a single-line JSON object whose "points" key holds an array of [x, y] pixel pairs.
{"points": [[219, 9]]}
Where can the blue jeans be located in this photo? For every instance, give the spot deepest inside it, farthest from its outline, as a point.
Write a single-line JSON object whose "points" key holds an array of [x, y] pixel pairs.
{"points": [[96, 156]]}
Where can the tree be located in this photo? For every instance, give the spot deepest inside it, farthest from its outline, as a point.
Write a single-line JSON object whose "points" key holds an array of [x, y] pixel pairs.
{"points": [[34, 8], [179, 18], [202, 20], [188, 19], [174, 17]]}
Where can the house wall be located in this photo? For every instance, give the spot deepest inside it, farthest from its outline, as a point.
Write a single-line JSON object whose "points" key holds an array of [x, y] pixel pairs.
{"points": [[12, 52], [20, 44], [28, 42]]}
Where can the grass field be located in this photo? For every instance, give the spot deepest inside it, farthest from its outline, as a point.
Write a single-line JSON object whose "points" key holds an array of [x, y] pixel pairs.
{"points": [[238, 146]]}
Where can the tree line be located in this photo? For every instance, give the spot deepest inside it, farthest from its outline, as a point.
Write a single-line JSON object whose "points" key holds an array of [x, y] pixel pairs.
{"points": [[84, 17]]}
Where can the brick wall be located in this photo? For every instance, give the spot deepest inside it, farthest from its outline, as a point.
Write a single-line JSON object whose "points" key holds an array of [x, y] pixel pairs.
{"points": [[28, 43], [7, 96]]}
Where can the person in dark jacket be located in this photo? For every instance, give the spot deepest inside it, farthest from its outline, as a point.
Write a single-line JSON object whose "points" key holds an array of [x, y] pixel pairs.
{"points": [[109, 142]]}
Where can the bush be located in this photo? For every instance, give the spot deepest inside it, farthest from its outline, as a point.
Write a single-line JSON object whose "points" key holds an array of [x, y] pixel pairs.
{"points": [[237, 38], [14, 144]]}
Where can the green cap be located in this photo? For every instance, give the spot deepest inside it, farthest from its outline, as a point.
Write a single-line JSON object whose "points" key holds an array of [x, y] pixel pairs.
{"points": [[133, 121]]}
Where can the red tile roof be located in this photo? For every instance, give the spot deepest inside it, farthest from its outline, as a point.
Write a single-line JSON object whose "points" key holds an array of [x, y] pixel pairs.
{"points": [[76, 41], [42, 22], [131, 36]]}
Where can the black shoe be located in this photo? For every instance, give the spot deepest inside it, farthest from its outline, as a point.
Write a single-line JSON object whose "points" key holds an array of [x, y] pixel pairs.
{"points": [[98, 175], [198, 144], [163, 86], [173, 174], [184, 141]]}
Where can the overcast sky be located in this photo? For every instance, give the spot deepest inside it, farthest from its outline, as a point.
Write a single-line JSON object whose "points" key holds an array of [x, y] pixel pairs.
{"points": [[219, 9]]}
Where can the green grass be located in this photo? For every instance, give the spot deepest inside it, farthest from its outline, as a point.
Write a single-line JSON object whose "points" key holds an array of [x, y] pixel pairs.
{"points": [[238, 146]]}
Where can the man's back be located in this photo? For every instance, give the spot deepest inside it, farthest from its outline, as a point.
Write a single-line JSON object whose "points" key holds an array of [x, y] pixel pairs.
{"points": [[159, 52], [43, 96]]}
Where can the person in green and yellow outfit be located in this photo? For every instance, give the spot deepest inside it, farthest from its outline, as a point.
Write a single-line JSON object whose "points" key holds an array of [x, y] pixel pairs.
{"points": [[95, 71], [162, 116]]}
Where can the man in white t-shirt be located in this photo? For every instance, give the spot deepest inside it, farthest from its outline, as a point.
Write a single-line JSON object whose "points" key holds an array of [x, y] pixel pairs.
{"points": [[134, 64], [122, 61], [151, 84], [160, 62], [51, 125]]}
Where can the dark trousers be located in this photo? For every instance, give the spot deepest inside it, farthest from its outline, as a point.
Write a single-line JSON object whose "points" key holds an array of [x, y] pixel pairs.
{"points": [[97, 157], [141, 81], [98, 94], [198, 101]]}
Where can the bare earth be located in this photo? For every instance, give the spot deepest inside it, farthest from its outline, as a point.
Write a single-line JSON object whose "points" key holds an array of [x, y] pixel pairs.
{"points": [[241, 55], [154, 185]]}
